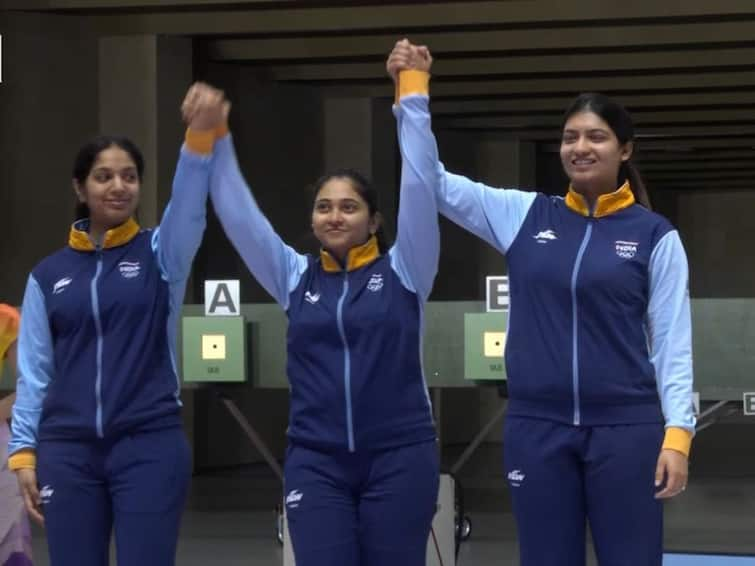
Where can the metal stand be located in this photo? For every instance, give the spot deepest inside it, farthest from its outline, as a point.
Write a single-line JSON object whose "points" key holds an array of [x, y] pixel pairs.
{"points": [[478, 439], [711, 415], [251, 434]]}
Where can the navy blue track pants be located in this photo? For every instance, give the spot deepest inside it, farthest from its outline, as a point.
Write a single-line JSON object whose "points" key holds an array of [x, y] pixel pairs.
{"points": [[135, 487], [563, 477], [363, 509]]}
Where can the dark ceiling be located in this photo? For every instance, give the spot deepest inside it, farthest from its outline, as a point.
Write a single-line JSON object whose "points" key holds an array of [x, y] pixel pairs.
{"points": [[685, 69]]}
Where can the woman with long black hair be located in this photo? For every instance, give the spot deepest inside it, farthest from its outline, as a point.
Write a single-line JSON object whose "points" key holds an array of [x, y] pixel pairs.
{"points": [[598, 351], [98, 444]]}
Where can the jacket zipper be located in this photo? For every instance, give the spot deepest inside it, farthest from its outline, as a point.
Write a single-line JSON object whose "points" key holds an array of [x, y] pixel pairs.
{"points": [[575, 349], [100, 340], [346, 363]]}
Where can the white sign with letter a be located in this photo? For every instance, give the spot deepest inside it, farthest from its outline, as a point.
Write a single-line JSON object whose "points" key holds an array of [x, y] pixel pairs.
{"points": [[221, 298]]}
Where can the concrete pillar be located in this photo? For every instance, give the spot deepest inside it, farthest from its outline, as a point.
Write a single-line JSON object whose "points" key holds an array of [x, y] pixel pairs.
{"points": [[347, 134], [505, 163], [359, 133], [142, 80]]}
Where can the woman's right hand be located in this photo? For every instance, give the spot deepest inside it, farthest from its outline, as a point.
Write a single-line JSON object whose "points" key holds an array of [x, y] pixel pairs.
{"points": [[27, 483], [204, 107]]}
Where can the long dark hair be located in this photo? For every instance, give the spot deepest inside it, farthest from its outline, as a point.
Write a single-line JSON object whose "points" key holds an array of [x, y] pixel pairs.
{"points": [[88, 154], [619, 120], [364, 189]]}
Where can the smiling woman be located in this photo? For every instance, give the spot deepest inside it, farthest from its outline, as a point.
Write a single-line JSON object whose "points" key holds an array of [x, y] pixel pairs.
{"points": [[361, 434], [597, 144], [598, 350], [97, 443], [107, 174], [345, 213]]}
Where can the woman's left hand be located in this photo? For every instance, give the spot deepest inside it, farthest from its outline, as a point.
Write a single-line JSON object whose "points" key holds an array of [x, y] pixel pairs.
{"points": [[673, 468]]}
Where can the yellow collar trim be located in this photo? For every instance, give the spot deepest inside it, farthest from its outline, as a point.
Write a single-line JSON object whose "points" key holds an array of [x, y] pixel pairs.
{"points": [[357, 257], [609, 203], [78, 238]]}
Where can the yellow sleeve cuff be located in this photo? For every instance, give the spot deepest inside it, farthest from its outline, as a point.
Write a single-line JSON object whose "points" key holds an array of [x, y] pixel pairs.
{"points": [[23, 460], [200, 141], [678, 439], [412, 82]]}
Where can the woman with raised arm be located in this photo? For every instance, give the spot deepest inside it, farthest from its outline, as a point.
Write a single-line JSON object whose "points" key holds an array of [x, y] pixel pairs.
{"points": [[598, 351], [98, 444], [362, 468]]}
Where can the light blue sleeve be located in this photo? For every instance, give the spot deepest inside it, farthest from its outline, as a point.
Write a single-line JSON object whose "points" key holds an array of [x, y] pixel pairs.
{"points": [[670, 331], [36, 368], [414, 256], [176, 241], [495, 215], [276, 266]]}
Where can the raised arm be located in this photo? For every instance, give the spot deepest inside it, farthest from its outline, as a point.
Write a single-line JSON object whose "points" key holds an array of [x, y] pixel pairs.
{"points": [[274, 264], [415, 253], [177, 239], [495, 215]]}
